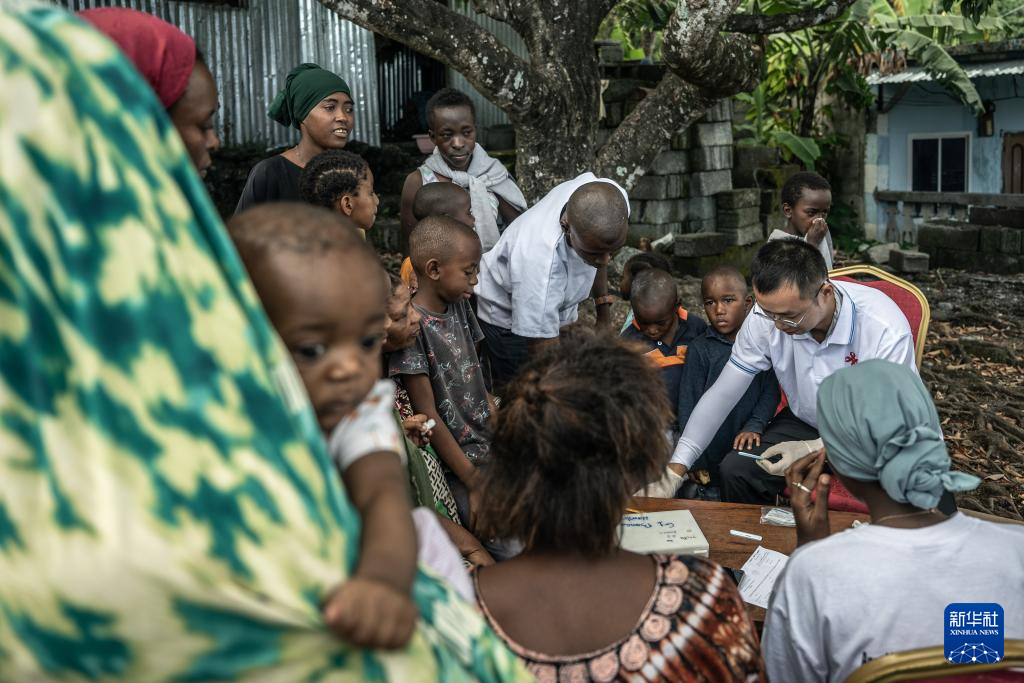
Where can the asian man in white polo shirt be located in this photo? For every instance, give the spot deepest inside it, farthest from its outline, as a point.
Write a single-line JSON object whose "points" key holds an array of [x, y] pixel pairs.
{"points": [[805, 327], [549, 260]]}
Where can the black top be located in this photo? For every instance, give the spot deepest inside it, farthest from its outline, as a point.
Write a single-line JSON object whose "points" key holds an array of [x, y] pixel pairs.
{"points": [[272, 180], [705, 359]]}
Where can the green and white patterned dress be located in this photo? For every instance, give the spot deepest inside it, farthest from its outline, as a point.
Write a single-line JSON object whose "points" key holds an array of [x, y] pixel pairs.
{"points": [[167, 507]]}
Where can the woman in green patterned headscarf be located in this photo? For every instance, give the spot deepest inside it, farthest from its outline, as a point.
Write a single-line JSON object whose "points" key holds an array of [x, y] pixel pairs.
{"points": [[167, 510]]}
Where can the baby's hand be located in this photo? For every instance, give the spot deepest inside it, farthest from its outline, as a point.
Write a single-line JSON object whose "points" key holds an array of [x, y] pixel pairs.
{"points": [[417, 429], [817, 232], [745, 440], [371, 614]]}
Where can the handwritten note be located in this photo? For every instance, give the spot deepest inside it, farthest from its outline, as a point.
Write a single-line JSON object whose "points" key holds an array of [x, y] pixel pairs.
{"points": [[672, 532], [760, 572]]}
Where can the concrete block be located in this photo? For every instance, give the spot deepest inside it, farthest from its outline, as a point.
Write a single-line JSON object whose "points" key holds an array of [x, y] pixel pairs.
{"points": [[664, 211], [675, 186], [907, 261], [680, 140], [700, 244], [706, 225], [1013, 218], [669, 162], [636, 209], [879, 254], [1000, 240], [711, 158], [713, 134], [1001, 264], [650, 187], [709, 183], [701, 208], [961, 237], [719, 111], [739, 218], [745, 235], [738, 198]]}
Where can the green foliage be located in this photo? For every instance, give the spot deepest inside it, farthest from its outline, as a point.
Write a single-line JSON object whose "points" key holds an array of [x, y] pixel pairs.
{"points": [[639, 26], [807, 70]]}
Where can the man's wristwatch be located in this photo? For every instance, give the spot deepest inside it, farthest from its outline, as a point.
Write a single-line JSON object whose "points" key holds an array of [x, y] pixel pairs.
{"points": [[604, 300]]}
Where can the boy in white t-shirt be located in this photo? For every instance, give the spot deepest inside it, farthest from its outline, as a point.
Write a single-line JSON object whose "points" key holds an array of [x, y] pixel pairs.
{"points": [[806, 201]]}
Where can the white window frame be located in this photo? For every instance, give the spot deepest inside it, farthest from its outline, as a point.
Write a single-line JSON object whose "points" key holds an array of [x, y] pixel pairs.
{"points": [[940, 136]]}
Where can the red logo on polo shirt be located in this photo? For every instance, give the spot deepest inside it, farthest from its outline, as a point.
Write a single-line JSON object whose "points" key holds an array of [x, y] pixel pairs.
{"points": [[851, 358]]}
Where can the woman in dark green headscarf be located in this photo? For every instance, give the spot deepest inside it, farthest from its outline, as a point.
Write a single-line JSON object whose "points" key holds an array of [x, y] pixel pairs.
{"points": [[319, 104], [168, 511]]}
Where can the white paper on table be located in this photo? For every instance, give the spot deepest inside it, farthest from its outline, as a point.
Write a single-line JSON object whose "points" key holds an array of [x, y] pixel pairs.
{"points": [[760, 572]]}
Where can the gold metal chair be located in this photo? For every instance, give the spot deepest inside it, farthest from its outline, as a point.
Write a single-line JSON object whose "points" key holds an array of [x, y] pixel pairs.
{"points": [[929, 663]]}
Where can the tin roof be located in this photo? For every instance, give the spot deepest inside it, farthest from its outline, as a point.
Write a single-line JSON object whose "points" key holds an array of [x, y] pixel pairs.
{"points": [[917, 74]]}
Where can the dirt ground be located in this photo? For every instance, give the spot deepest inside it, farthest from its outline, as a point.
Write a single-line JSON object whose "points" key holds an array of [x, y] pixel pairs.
{"points": [[974, 366]]}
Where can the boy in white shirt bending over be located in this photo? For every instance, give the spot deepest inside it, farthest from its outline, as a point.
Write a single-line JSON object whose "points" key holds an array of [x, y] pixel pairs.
{"points": [[550, 259]]}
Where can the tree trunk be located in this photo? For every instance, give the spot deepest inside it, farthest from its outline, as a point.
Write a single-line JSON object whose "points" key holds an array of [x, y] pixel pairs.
{"points": [[552, 96]]}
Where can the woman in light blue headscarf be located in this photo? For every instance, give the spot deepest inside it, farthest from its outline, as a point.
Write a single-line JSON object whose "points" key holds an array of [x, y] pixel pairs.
{"points": [[862, 593], [883, 439]]}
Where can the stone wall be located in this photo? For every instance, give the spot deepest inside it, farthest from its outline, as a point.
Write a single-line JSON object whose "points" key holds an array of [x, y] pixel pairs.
{"points": [[976, 245], [677, 193]]}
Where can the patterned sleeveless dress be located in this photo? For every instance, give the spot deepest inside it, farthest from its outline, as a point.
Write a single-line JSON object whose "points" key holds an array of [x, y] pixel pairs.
{"points": [[693, 628]]}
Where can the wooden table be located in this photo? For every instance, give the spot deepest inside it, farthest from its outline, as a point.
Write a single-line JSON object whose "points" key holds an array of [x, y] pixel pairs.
{"points": [[717, 519]]}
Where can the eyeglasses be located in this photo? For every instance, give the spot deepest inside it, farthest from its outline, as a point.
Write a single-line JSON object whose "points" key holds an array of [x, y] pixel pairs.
{"points": [[778, 319]]}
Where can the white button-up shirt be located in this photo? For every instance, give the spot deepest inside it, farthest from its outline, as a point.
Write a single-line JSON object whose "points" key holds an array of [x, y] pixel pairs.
{"points": [[532, 282]]}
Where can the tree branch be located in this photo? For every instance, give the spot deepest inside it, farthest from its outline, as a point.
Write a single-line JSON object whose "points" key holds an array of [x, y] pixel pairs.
{"points": [[697, 51], [632, 148], [455, 40], [783, 23]]}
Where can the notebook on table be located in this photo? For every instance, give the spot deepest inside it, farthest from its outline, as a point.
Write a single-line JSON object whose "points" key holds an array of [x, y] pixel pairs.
{"points": [[672, 532]]}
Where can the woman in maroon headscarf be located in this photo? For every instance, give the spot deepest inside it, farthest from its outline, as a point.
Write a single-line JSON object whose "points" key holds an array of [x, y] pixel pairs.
{"points": [[169, 60]]}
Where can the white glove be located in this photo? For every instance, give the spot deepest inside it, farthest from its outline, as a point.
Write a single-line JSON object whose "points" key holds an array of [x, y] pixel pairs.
{"points": [[791, 451], [665, 487]]}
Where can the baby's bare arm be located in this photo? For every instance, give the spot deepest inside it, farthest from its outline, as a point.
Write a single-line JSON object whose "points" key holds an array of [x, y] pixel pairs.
{"points": [[373, 609], [387, 552]]}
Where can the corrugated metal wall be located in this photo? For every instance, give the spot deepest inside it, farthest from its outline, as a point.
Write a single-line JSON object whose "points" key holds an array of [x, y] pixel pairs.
{"points": [[487, 113], [250, 51]]}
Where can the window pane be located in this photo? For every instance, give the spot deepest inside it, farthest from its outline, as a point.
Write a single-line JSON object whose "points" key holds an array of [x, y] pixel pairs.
{"points": [[925, 166], [954, 165]]}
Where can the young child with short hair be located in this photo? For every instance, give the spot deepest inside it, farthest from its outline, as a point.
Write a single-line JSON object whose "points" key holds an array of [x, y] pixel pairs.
{"points": [[324, 291], [441, 370], [635, 264], [430, 488], [437, 199], [806, 200], [578, 431], [663, 326], [341, 181], [496, 200], [727, 302], [443, 199]]}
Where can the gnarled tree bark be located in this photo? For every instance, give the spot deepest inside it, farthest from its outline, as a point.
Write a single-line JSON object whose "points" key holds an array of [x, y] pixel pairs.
{"points": [[552, 96]]}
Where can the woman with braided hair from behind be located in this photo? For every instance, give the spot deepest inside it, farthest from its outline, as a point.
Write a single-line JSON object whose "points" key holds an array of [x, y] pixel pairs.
{"points": [[580, 429]]}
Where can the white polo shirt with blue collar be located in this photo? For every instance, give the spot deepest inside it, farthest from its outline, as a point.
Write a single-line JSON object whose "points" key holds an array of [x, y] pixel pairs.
{"points": [[870, 325], [532, 281]]}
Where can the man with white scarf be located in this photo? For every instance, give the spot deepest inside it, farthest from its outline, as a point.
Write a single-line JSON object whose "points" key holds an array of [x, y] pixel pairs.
{"points": [[495, 199]]}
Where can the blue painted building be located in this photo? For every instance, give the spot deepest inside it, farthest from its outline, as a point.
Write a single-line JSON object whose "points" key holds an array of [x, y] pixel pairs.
{"points": [[925, 140]]}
